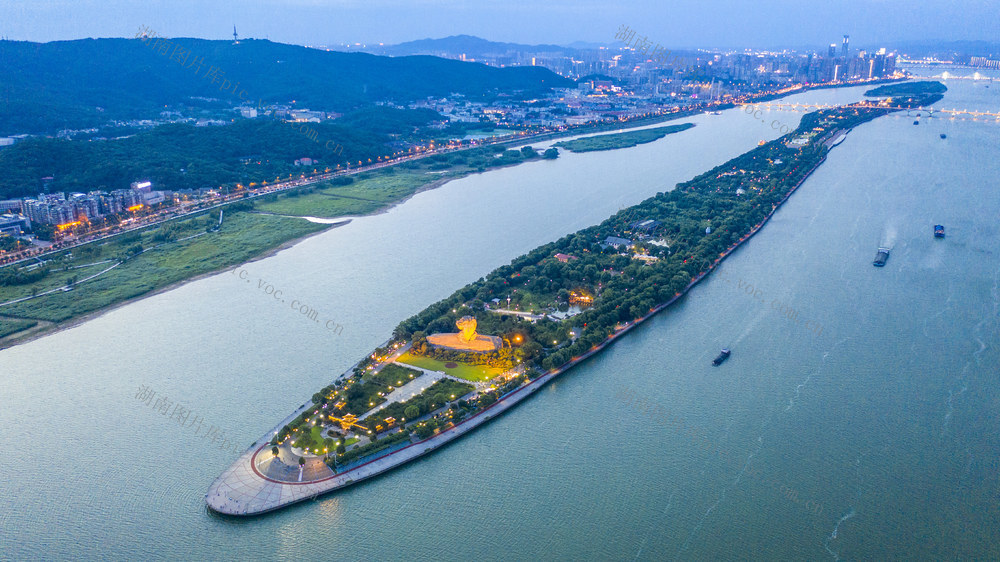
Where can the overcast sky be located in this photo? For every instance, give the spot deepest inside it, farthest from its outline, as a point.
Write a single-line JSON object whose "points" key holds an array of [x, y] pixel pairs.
{"points": [[671, 23]]}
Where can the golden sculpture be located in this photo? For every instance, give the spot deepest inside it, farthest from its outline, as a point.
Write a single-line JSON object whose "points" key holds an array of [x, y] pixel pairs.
{"points": [[467, 327], [467, 339]]}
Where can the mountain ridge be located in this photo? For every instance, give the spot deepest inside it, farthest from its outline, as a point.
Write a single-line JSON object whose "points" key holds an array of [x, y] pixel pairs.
{"points": [[125, 79]]}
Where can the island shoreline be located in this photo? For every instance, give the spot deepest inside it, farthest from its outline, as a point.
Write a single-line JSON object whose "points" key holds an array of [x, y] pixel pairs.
{"points": [[42, 330], [446, 436]]}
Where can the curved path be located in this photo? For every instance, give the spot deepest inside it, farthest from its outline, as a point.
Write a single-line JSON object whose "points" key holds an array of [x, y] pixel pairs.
{"points": [[243, 490]]}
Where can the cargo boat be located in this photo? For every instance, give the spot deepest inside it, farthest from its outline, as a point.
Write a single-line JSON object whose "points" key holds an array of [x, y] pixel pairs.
{"points": [[883, 254], [723, 355], [243, 490]]}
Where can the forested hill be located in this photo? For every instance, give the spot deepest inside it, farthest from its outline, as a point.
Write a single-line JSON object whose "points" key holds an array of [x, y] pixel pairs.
{"points": [[86, 82], [468, 45]]}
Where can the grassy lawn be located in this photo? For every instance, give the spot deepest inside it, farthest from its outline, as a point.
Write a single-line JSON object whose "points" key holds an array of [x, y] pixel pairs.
{"points": [[474, 373], [10, 326], [493, 133], [386, 188], [242, 237], [622, 140], [363, 196], [392, 375], [59, 277], [317, 435], [318, 205]]}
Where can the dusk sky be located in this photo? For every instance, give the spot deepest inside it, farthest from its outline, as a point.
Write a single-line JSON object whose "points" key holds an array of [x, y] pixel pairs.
{"points": [[681, 23]]}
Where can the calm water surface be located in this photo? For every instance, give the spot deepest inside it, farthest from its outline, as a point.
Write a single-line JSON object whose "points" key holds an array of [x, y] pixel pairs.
{"points": [[875, 438]]}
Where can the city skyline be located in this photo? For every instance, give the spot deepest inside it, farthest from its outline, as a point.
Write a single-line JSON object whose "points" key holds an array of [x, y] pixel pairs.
{"points": [[444, 280], [768, 25]]}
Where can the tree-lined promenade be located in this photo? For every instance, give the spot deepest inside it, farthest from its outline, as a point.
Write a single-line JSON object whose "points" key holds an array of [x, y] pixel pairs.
{"points": [[35, 299], [584, 291]]}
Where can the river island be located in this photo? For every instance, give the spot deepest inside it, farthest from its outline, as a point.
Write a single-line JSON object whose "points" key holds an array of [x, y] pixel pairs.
{"points": [[470, 357]]}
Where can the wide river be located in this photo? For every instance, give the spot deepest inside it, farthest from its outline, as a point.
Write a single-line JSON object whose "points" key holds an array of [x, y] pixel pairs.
{"points": [[872, 432]]}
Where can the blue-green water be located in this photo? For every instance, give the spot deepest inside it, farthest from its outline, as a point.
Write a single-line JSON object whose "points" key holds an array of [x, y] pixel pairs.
{"points": [[875, 438]]}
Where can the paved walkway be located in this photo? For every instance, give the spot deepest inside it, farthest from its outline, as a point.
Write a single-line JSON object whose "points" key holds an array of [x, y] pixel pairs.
{"points": [[63, 288], [480, 386], [528, 315], [242, 490], [409, 390], [286, 466]]}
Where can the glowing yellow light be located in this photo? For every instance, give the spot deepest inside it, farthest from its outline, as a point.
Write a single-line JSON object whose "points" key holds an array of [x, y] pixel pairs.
{"points": [[68, 225]]}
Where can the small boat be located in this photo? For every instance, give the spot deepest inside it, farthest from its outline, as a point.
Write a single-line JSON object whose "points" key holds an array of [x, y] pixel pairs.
{"points": [[916, 122], [723, 355], [883, 254], [944, 136], [938, 231]]}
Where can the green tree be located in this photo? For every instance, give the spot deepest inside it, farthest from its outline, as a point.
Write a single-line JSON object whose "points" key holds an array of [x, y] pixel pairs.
{"points": [[411, 412], [274, 451]]}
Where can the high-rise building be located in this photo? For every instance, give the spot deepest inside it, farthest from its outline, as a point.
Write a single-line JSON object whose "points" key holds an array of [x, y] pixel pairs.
{"points": [[846, 47], [833, 50], [984, 62], [14, 205]]}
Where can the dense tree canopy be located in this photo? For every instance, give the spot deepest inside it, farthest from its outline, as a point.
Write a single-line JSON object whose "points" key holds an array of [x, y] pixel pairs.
{"points": [[183, 156], [693, 226], [87, 82]]}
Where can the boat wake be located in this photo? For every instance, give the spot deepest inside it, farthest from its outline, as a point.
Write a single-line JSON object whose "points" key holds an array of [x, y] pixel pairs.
{"points": [[968, 464], [963, 378], [746, 463], [976, 361], [951, 407], [850, 513], [722, 496], [889, 236], [833, 534], [798, 387], [670, 500]]}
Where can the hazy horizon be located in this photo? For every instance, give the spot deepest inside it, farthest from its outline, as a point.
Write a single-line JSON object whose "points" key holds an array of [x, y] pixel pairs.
{"points": [[773, 24]]}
